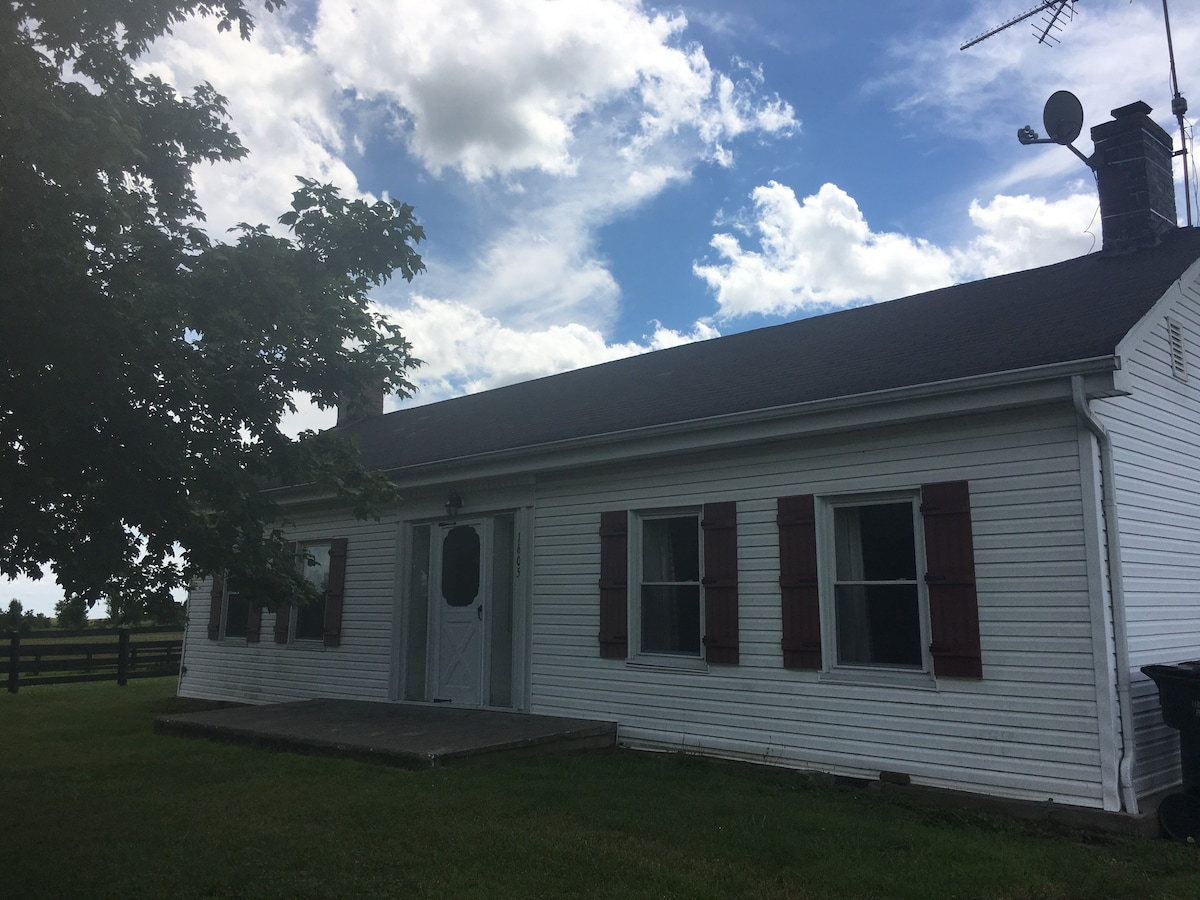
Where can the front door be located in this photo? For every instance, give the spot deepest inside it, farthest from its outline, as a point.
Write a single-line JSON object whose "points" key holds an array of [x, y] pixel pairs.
{"points": [[459, 600]]}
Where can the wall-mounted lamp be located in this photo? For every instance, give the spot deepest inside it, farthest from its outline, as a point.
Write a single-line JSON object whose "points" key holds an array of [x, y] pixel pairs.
{"points": [[453, 504]]}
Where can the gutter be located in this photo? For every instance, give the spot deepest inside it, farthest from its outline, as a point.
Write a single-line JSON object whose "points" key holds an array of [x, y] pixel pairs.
{"points": [[1116, 587]]}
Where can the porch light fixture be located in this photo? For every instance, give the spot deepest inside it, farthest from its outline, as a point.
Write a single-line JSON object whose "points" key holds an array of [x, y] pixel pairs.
{"points": [[454, 503]]}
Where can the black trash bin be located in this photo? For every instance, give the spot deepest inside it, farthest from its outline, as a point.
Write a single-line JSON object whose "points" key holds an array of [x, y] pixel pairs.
{"points": [[1179, 697]]}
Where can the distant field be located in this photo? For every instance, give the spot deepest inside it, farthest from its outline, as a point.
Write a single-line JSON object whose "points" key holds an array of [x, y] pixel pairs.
{"points": [[97, 805]]}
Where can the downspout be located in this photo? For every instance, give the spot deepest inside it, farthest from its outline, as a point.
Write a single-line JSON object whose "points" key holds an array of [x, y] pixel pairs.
{"points": [[1116, 589]]}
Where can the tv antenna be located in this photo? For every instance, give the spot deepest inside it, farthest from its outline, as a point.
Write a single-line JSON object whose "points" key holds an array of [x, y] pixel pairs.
{"points": [[1055, 11]]}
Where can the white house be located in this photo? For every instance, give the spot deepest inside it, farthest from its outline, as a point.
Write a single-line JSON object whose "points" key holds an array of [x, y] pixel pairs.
{"points": [[935, 537]]}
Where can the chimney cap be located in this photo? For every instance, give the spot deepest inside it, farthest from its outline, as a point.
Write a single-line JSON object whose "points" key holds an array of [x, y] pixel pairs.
{"points": [[1137, 108]]}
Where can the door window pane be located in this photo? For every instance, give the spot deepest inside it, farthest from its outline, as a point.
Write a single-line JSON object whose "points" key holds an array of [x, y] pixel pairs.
{"points": [[460, 566]]}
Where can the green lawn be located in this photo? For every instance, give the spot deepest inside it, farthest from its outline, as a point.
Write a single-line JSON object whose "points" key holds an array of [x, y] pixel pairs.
{"points": [[93, 804]]}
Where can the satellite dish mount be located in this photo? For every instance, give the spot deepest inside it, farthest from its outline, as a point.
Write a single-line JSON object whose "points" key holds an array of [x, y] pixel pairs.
{"points": [[1063, 120]]}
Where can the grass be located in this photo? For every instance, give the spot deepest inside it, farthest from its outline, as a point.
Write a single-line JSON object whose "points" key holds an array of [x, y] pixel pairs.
{"points": [[96, 805]]}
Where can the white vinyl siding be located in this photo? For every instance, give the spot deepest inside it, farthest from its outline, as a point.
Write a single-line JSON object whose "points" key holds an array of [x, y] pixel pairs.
{"points": [[1029, 728], [1156, 448], [268, 672]]}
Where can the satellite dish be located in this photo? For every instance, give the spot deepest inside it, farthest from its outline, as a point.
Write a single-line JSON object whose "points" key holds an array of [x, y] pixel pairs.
{"points": [[1063, 117]]}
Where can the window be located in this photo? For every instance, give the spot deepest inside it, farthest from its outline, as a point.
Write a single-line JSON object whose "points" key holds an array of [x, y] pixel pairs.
{"points": [[322, 620], [684, 587], [309, 624], [237, 611], [876, 599], [231, 614], [871, 581], [669, 606]]}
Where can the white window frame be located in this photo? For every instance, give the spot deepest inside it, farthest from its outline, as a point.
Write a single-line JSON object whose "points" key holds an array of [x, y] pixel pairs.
{"points": [[833, 669], [639, 656], [302, 547]]}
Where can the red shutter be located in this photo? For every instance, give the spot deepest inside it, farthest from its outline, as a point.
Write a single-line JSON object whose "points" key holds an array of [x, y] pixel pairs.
{"points": [[253, 623], [283, 619], [799, 597], [283, 615], [214, 607], [614, 585], [950, 575], [719, 522], [335, 591]]}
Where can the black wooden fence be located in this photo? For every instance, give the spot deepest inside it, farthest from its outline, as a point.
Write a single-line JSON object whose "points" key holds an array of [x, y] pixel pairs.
{"points": [[90, 654]]}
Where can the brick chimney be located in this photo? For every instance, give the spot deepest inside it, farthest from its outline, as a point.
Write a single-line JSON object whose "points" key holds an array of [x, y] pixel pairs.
{"points": [[1133, 164], [367, 404]]}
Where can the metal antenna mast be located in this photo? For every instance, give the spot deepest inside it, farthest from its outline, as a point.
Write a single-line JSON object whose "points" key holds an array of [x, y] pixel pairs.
{"points": [[1055, 10], [1179, 109]]}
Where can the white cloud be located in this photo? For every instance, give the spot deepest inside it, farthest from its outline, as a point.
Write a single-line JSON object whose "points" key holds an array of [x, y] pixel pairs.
{"points": [[816, 254], [531, 275], [466, 351], [559, 116], [283, 104], [550, 119], [820, 253], [1025, 232], [495, 87]]}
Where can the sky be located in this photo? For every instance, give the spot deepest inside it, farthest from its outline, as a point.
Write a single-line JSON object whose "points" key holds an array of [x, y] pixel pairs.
{"points": [[600, 178]]}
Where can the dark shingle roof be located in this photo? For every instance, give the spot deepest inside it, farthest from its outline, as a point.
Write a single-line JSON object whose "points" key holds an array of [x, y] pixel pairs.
{"points": [[1075, 310]]}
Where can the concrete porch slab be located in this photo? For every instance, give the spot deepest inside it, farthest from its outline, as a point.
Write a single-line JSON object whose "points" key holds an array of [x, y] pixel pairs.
{"points": [[409, 735]]}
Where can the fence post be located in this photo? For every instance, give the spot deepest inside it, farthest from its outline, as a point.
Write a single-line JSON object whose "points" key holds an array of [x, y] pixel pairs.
{"points": [[14, 661], [123, 657]]}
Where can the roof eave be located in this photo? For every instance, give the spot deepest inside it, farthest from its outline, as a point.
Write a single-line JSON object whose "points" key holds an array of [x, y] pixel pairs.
{"points": [[913, 402]]}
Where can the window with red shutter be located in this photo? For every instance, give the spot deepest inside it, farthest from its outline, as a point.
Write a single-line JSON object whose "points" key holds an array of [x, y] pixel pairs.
{"points": [[324, 566], [870, 603], [685, 585]]}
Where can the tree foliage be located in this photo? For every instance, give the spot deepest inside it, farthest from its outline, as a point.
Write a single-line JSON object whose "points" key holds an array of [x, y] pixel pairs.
{"points": [[147, 365], [15, 619], [71, 612]]}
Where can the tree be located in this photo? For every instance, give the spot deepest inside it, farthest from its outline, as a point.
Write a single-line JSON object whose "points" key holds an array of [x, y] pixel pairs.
{"points": [[71, 612], [16, 619], [159, 608], [147, 365]]}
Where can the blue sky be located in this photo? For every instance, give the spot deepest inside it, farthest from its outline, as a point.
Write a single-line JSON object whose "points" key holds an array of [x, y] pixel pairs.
{"points": [[605, 177]]}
